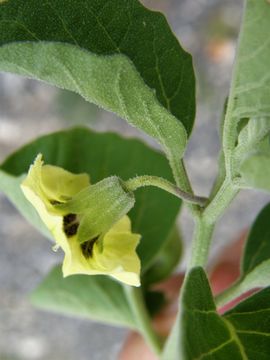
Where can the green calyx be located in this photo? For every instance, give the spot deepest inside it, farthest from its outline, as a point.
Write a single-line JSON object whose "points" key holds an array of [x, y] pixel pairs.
{"points": [[95, 209]]}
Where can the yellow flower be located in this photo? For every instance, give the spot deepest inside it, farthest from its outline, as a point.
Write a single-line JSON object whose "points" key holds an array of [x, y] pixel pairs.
{"points": [[63, 202]]}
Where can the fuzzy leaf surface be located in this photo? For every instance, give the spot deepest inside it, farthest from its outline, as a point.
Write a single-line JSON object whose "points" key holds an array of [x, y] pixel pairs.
{"points": [[114, 53], [251, 320]]}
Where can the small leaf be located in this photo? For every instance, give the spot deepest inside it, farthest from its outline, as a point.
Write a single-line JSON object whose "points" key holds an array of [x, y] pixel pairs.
{"points": [[101, 155], [255, 261], [251, 156], [94, 297], [199, 332], [251, 319]]}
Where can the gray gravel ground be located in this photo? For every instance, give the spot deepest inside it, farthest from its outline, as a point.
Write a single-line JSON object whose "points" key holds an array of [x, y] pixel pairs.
{"points": [[207, 29]]}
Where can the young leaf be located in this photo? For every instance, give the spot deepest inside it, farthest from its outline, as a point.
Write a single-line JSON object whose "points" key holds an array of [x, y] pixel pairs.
{"points": [[252, 153], [251, 319], [116, 54], [101, 155], [255, 261], [255, 171], [249, 98], [199, 332], [95, 297]]}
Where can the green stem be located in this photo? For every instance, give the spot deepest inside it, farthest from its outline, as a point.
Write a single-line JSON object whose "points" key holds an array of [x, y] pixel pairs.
{"points": [[205, 224], [200, 243], [182, 181], [142, 318], [226, 193], [147, 180]]}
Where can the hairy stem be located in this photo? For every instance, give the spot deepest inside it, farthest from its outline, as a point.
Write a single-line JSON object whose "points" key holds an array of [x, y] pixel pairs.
{"points": [[200, 243], [147, 180], [182, 181], [142, 318], [205, 224]]}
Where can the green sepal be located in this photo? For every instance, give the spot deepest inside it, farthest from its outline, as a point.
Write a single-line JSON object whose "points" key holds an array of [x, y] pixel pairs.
{"points": [[106, 201]]}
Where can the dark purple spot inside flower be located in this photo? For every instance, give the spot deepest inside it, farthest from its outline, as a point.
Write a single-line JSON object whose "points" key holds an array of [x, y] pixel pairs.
{"points": [[87, 247], [70, 224], [70, 218], [55, 202]]}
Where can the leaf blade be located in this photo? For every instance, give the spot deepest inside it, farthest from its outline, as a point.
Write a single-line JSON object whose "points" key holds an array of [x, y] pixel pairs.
{"points": [[200, 333], [251, 320], [94, 297]]}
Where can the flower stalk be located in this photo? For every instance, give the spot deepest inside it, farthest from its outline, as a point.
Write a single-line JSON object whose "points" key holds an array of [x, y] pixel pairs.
{"points": [[148, 180]]}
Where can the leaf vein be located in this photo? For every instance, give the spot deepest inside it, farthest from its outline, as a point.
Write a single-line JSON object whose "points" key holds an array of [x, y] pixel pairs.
{"points": [[256, 52], [213, 350]]}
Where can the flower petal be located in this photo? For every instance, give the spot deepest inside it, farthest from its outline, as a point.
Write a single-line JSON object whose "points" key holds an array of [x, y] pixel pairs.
{"points": [[115, 256]]}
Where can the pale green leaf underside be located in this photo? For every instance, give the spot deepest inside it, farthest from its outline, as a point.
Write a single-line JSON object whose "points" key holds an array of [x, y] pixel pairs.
{"points": [[108, 81], [108, 28], [252, 154], [249, 98], [251, 136], [250, 95], [94, 297], [255, 171]]}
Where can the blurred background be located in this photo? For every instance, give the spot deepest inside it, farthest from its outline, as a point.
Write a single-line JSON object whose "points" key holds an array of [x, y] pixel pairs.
{"points": [[208, 30]]}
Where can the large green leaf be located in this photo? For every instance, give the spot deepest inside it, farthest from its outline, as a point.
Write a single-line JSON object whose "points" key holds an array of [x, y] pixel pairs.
{"points": [[96, 297], [255, 262], [251, 319], [102, 155], [199, 332], [114, 53]]}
